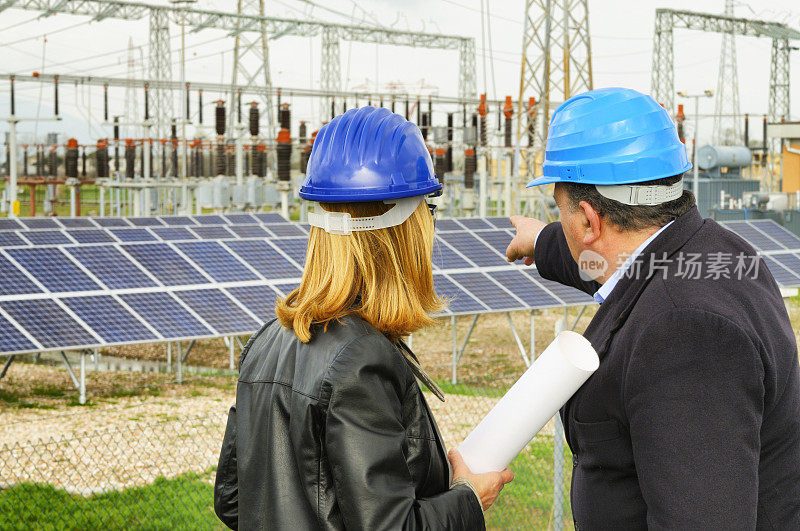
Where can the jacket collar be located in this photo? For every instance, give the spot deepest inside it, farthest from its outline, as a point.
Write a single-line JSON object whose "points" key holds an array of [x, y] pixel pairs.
{"points": [[615, 310]]}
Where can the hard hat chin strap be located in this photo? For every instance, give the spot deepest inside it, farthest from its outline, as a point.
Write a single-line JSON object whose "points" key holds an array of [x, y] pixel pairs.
{"points": [[343, 223], [631, 194]]}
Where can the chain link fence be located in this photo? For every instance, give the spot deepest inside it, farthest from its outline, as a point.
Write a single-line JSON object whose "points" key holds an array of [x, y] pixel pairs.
{"points": [[160, 475]]}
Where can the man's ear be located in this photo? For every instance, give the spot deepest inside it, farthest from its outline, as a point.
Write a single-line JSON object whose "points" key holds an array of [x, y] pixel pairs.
{"points": [[592, 224]]}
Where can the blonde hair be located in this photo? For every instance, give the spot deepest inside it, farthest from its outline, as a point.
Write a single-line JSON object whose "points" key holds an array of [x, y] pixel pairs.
{"points": [[383, 276]]}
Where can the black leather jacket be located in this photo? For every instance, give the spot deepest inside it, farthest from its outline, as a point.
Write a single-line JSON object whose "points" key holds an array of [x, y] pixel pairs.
{"points": [[334, 434]]}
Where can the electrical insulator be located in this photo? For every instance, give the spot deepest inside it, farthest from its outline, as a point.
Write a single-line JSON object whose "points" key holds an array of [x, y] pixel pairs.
{"points": [[482, 110], [448, 159], [219, 115], [219, 166], [439, 164], [53, 162], [83, 162], [230, 157], [24, 160], [39, 161], [424, 123], [71, 159], [470, 166], [531, 121], [284, 149], [254, 117], [301, 137], [681, 117], [508, 112], [101, 158], [260, 160], [304, 156], [285, 117], [130, 158], [449, 154]]}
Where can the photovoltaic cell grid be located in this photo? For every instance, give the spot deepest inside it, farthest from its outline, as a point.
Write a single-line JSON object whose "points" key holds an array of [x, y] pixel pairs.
{"points": [[11, 239], [165, 314], [77, 223], [486, 291], [109, 319], [264, 258], [90, 236], [219, 310], [11, 339], [13, 281], [53, 269], [260, 300], [781, 273], [46, 237], [217, 261], [48, 323], [111, 266], [165, 264]]}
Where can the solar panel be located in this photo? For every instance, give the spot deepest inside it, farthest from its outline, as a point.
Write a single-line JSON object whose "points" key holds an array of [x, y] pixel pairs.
{"points": [[789, 261], [270, 217], [40, 223], [497, 240], [447, 225], [500, 222], [486, 291], [249, 231], [777, 233], [285, 229], [165, 264], [211, 219], [287, 287], [475, 223], [111, 266], [46, 237], [782, 276], [264, 259], [241, 219], [49, 324], [212, 232], [53, 269], [166, 315], [446, 258], [258, 299], [173, 233], [752, 235], [567, 294], [109, 319], [133, 235], [217, 261], [295, 248], [11, 239], [474, 249], [177, 221], [112, 222], [77, 223], [11, 339], [219, 310], [524, 288], [13, 281], [90, 236], [10, 224], [460, 300], [146, 222]]}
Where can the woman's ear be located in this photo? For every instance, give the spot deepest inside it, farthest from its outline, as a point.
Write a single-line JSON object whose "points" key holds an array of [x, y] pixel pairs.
{"points": [[592, 223]]}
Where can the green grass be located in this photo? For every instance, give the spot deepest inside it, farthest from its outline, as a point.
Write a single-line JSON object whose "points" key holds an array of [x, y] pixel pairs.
{"points": [[180, 503], [186, 502]]}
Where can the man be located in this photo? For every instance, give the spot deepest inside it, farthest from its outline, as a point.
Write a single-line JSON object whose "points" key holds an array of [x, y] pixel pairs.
{"points": [[692, 420]]}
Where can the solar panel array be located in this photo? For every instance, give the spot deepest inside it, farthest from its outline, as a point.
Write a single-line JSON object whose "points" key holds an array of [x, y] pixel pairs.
{"points": [[779, 248], [83, 283], [88, 282]]}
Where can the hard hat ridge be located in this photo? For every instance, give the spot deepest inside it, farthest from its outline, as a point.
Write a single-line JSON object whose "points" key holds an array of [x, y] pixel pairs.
{"points": [[368, 154], [612, 136]]}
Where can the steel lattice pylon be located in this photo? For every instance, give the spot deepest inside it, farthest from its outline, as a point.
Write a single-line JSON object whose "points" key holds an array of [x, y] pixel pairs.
{"points": [[556, 55], [159, 66], [252, 49], [131, 115], [331, 70], [467, 79], [663, 75], [727, 126]]}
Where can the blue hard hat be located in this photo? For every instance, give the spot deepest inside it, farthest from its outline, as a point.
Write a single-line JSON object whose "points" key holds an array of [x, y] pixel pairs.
{"points": [[368, 154], [611, 136]]}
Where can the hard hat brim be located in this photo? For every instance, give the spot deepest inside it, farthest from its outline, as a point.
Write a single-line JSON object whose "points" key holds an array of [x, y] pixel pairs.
{"points": [[539, 181]]}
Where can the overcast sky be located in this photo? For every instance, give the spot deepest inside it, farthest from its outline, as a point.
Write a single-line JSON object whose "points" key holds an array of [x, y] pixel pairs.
{"points": [[621, 33]]}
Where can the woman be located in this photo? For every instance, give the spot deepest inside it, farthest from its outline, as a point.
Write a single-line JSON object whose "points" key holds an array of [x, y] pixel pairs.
{"points": [[330, 429]]}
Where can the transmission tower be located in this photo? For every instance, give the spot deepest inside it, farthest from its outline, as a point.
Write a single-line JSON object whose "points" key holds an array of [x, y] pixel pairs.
{"points": [[160, 69], [727, 126], [131, 107], [251, 50], [331, 75], [556, 56]]}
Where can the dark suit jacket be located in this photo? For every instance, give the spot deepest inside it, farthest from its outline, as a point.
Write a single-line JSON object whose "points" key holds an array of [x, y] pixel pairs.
{"points": [[692, 420]]}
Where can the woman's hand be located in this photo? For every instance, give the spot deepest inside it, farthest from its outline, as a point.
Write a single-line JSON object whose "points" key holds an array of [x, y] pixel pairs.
{"points": [[488, 485]]}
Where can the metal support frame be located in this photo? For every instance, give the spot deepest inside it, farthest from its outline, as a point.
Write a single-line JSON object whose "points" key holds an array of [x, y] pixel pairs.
{"points": [[457, 353], [330, 70], [79, 383], [779, 81], [521, 347], [6, 365], [231, 353]]}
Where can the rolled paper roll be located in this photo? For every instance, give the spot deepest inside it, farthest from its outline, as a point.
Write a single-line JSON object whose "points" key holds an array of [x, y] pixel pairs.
{"points": [[530, 403]]}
